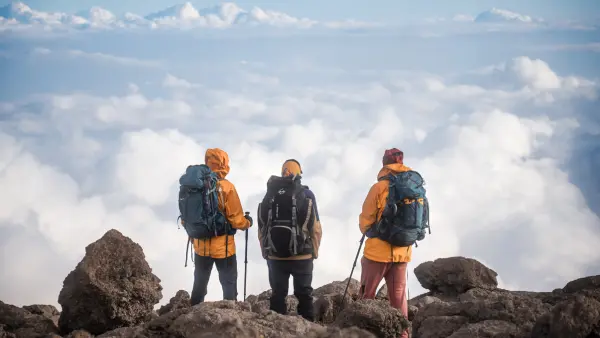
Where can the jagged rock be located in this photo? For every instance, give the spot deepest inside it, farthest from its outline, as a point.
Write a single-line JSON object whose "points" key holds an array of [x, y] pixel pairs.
{"points": [[113, 286], [79, 334], [487, 329], [268, 324], [578, 316], [266, 295], [181, 300], [48, 311], [585, 283], [327, 307], [251, 299], [455, 275], [230, 328], [4, 333], [264, 305], [375, 316], [335, 332], [520, 310], [412, 312], [19, 322], [338, 287], [440, 326], [329, 299]]}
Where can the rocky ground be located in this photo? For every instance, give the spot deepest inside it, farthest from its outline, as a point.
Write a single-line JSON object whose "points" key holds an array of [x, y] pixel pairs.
{"points": [[112, 293]]}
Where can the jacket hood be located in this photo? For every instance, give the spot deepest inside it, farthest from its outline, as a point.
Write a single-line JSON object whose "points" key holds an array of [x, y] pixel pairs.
{"points": [[393, 168], [218, 161], [291, 168]]}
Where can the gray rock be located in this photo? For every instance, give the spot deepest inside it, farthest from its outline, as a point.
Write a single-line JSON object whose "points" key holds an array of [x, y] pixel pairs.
{"points": [[440, 326], [487, 329], [375, 316], [455, 275], [338, 287], [113, 286], [19, 322], [520, 310], [181, 300], [576, 317]]}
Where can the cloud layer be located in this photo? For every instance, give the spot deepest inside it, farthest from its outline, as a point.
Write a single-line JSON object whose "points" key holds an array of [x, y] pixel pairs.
{"points": [[508, 149]]}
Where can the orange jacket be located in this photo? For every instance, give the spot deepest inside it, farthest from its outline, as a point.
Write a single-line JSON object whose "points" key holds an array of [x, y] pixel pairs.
{"points": [[376, 249], [229, 203]]}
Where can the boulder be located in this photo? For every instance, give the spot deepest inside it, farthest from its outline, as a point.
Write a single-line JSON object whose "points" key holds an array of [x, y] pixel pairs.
{"points": [[338, 287], [585, 283], [329, 299], [268, 324], [18, 322], [335, 332], [264, 305], [113, 286], [488, 329], [48, 311], [522, 311], [578, 316], [455, 275], [181, 300], [375, 316], [79, 334]]}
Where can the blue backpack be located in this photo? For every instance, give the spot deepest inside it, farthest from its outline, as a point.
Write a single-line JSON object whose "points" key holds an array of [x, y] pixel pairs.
{"points": [[199, 204], [406, 214]]}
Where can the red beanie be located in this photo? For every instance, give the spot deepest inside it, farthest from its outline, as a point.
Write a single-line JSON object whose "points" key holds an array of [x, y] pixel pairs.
{"points": [[393, 155]]}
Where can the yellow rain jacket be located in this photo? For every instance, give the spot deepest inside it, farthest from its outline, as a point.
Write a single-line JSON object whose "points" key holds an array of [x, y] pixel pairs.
{"points": [[376, 249], [229, 203]]}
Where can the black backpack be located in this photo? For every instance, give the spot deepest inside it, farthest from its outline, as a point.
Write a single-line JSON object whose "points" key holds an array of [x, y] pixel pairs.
{"points": [[287, 215]]}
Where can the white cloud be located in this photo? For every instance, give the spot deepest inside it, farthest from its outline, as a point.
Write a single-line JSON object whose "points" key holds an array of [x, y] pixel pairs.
{"points": [[184, 16], [497, 15], [490, 145]]}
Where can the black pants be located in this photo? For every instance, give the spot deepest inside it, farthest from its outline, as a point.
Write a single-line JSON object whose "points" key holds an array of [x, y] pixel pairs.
{"points": [[227, 269], [279, 278]]}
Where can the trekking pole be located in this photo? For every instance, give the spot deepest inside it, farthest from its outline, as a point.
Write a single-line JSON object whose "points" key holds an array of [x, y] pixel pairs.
{"points": [[352, 271], [246, 260]]}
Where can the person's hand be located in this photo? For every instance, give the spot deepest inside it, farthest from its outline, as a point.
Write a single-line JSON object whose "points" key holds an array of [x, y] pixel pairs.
{"points": [[247, 216]]}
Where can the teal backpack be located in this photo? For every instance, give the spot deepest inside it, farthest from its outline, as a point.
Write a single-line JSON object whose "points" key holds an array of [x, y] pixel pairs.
{"points": [[406, 214], [199, 204]]}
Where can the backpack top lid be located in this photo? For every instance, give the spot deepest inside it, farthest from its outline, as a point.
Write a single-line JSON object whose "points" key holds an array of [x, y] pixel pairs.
{"points": [[278, 182], [195, 174]]}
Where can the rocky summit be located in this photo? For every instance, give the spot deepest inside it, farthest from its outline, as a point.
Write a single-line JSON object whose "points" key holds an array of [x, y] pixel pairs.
{"points": [[112, 293]]}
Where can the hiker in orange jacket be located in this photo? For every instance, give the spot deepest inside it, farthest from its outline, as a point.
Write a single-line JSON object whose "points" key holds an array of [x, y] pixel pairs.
{"points": [[220, 250], [275, 219], [381, 259]]}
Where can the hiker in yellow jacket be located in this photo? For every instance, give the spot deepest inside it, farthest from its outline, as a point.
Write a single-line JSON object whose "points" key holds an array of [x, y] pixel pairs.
{"points": [[289, 240], [380, 259], [220, 250]]}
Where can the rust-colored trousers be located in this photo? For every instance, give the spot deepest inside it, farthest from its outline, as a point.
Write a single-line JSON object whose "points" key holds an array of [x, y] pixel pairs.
{"points": [[395, 279]]}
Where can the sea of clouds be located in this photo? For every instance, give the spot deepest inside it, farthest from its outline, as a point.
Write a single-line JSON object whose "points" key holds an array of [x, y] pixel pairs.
{"points": [[101, 114]]}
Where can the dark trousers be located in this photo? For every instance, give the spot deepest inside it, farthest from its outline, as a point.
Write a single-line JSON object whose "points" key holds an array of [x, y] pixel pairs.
{"points": [[227, 269], [279, 278]]}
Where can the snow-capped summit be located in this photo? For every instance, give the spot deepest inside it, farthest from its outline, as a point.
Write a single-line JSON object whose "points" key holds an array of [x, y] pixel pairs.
{"points": [[185, 11], [496, 15]]}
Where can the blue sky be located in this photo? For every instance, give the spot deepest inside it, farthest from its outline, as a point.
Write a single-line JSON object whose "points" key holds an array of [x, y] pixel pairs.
{"points": [[381, 10]]}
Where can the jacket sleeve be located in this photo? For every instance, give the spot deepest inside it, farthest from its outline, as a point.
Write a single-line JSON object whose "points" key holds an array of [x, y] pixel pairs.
{"points": [[370, 208], [233, 209]]}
